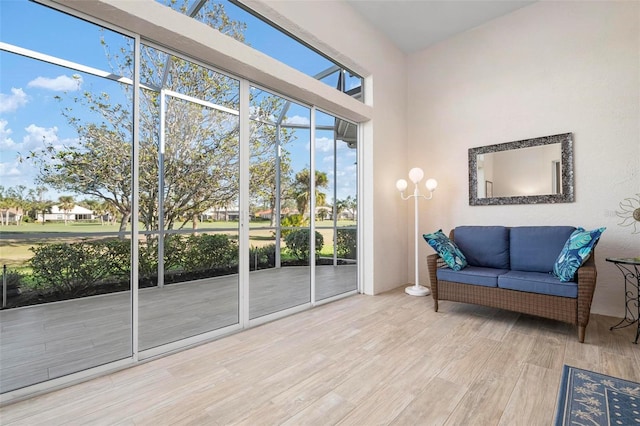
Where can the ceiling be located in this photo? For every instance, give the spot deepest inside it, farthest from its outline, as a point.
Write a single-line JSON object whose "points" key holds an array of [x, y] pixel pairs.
{"points": [[416, 24]]}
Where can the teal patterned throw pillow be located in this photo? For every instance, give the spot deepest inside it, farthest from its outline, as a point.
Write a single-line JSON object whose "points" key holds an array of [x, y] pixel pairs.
{"points": [[575, 252], [446, 249]]}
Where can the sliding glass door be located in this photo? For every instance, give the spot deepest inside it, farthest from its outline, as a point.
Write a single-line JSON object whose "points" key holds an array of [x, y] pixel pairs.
{"points": [[279, 204], [136, 219], [189, 192], [336, 206]]}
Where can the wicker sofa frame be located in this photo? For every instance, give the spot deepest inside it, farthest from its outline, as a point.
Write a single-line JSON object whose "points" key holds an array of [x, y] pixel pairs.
{"points": [[573, 311]]}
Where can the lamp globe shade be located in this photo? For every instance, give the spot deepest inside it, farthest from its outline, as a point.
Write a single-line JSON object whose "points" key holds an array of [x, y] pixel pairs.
{"points": [[401, 184], [416, 174], [431, 184]]}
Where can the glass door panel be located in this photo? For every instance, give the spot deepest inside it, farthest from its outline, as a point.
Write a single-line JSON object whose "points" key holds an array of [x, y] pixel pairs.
{"points": [[66, 155], [188, 261], [336, 205], [280, 276]]}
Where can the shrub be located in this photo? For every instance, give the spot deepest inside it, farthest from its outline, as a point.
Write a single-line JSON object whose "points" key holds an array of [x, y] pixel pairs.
{"points": [[292, 221], [298, 243], [347, 243], [209, 252], [262, 256], [14, 281], [74, 268], [116, 253], [148, 257], [68, 268]]}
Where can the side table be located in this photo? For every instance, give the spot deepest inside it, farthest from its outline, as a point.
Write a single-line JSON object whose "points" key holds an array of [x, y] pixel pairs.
{"points": [[630, 268]]}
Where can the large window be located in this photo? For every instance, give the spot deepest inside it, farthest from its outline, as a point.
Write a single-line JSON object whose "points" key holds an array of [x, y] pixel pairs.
{"points": [[254, 30], [66, 153], [142, 211]]}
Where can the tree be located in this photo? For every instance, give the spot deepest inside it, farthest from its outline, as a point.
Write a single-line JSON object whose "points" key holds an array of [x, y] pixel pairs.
{"points": [[349, 204], [262, 169], [98, 208], [37, 205], [301, 189], [12, 199], [5, 205], [200, 159], [66, 204]]}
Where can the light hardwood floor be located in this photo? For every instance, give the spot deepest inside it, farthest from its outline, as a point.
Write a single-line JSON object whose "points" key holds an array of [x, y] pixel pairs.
{"points": [[363, 360]]}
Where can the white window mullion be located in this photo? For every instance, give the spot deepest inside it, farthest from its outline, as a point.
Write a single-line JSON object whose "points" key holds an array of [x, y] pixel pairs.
{"points": [[161, 148], [312, 205], [243, 237], [135, 198]]}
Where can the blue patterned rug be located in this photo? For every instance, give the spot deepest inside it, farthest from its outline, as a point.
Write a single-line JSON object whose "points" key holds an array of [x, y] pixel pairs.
{"points": [[588, 398]]}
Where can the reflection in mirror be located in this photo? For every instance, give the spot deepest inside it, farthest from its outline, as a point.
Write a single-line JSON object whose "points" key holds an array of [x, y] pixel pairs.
{"points": [[531, 171]]}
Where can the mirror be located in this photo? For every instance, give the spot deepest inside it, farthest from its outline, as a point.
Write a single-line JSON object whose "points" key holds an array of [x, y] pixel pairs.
{"points": [[531, 171]]}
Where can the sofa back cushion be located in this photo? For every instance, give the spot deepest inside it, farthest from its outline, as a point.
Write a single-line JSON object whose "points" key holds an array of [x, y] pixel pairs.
{"points": [[485, 246], [536, 248]]}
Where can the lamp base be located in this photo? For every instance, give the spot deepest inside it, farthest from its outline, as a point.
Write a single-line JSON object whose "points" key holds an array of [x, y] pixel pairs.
{"points": [[417, 290]]}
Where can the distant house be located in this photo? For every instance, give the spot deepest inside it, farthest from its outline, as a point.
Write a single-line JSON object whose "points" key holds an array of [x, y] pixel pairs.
{"points": [[220, 214], [267, 214], [11, 216], [77, 213]]}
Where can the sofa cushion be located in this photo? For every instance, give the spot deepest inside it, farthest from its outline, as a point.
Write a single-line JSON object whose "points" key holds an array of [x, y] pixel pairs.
{"points": [[487, 277], [485, 246], [536, 248], [446, 249], [537, 282], [575, 252]]}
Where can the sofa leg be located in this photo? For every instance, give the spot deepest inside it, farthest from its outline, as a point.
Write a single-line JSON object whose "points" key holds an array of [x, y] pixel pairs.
{"points": [[581, 331]]}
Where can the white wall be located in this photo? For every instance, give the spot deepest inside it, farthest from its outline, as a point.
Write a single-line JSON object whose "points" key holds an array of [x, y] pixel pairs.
{"points": [[336, 29], [549, 68]]}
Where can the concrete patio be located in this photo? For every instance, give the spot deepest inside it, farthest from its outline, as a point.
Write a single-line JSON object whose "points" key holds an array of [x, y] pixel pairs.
{"points": [[42, 342]]}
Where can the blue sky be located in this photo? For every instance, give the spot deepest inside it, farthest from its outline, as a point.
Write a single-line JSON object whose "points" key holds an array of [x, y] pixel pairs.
{"points": [[29, 111]]}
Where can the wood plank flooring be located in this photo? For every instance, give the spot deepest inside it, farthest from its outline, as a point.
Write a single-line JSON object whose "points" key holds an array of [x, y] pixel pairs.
{"points": [[364, 360]]}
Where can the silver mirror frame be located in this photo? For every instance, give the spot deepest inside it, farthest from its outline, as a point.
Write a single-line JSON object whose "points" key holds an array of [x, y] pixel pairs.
{"points": [[566, 146]]}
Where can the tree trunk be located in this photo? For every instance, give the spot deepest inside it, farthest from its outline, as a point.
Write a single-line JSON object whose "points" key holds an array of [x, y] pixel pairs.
{"points": [[194, 220], [272, 206], [123, 224]]}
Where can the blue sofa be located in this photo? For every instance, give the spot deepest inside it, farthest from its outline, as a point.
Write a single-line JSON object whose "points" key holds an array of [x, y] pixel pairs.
{"points": [[510, 268]]}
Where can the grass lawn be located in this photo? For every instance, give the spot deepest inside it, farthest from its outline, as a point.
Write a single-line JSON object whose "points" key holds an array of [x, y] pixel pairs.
{"points": [[80, 227]]}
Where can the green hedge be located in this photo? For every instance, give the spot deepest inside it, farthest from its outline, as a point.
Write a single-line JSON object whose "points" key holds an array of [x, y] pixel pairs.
{"points": [[75, 268], [347, 243], [298, 243]]}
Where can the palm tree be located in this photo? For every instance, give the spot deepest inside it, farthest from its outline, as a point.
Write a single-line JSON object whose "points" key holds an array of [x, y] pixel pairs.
{"points": [[349, 205], [301, 189], [97, 207], [66, 205]]}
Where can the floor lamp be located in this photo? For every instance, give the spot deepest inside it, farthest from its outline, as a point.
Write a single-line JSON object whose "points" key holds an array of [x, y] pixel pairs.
{"points": [[415, 175]]}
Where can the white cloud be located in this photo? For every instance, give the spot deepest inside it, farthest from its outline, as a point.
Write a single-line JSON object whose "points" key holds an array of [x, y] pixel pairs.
{"points": [[59, 84], [12, 102], [5, 140], [36, 135], [324, 144], [9, 170], [297, 119]]}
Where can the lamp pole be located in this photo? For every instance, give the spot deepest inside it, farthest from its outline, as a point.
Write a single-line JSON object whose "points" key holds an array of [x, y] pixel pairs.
{"points": [[415, 175]]}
